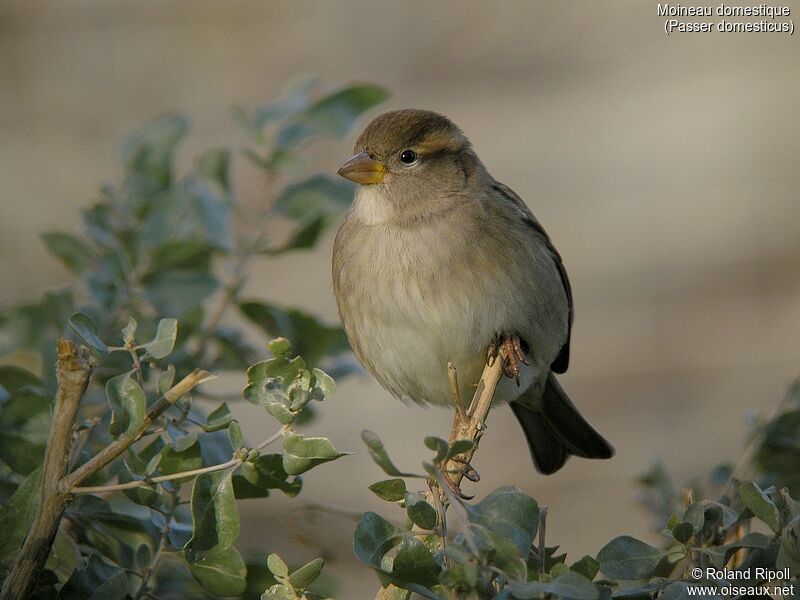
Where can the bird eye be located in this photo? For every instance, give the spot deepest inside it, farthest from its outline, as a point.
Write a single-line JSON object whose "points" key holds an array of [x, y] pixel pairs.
{"points": [[408, 156]]}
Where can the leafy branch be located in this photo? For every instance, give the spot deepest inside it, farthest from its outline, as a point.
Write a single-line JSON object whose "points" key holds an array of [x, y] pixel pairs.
{"points": [[154, 253]]}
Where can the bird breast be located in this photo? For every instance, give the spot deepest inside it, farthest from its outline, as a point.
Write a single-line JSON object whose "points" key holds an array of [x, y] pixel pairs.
{"points": [[412, 298]]}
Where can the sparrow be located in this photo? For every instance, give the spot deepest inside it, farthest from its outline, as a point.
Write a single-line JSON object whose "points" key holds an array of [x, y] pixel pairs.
{"points": [[438, 262]]}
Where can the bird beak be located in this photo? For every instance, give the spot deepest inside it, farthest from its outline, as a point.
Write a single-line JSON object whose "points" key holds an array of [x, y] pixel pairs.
{"points": [[362, 169]]}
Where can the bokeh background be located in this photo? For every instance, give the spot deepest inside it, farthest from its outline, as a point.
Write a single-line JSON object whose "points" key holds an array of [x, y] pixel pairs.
{"points": [[664, 168]]}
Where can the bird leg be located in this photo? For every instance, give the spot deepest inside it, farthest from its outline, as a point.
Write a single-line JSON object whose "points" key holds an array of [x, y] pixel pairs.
{"points": [[515, 355]]}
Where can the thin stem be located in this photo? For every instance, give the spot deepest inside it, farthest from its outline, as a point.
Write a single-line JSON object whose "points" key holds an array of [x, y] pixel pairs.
{"points": [[118, 446], [150, 569], [130, 485], [137, 366]]}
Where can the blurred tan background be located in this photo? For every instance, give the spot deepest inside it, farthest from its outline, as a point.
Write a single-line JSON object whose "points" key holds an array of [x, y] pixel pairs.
{"points": [[665, 169]]}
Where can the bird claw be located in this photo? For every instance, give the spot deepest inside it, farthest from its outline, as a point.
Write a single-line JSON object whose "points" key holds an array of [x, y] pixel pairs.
{"points": [[455, 488], [515, 355]]}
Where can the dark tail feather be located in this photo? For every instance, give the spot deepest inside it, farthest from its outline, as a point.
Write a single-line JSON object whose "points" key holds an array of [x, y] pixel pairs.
{"points": [[555, 430]]}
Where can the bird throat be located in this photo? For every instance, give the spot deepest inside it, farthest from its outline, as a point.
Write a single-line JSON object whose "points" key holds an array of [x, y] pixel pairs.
{"points": [[371, 206]]}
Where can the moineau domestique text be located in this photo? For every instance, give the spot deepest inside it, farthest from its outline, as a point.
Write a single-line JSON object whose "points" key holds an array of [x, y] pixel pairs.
{"points": [[723, 10]]}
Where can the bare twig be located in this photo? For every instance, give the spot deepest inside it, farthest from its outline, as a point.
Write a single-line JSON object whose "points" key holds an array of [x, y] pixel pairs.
{"points": [[130, 485], [118, 446], [73, 368]]}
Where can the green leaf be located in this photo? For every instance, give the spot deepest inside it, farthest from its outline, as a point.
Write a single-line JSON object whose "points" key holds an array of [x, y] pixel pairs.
{"points": [[127, 402], [85, 326], [374, 537], [719, 555], [718, 512], [760, 505], [682, 532], [220, 418], [586, 566], [214, 164], [266, 473], [276, 565], [129, 331], [304, 237], [311, 339], [235, 435], [223, 574], [113, 588], [301, 453], [459, 447], [279, 346], [166, 379], [280, 412], [306, 575], [695, 515], [419, 511], [164, 341], [336, 113], [213, 213], [16, 516], [626, 557], [569, 585], [76, 254], [14, 380], [378, 453], [149, 152], [510, 513], [324, 383], [315, 198], [391, 490], [438, 445], [176, 461], [268, 380], [215, 516], [177, 292], [183, 254], [414, 563]]}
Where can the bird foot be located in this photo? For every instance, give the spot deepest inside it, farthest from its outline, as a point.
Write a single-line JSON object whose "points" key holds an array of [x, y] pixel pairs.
{"points": [[455, 488], [515, 355]]}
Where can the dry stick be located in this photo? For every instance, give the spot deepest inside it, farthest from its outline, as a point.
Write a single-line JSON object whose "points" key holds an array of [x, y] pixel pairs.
{"points": [[467, 427], [73, 369], [130, 485], [118, 446]]}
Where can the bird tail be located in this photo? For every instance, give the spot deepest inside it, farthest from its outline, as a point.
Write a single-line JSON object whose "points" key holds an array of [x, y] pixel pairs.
{"points": [[555, 429]]}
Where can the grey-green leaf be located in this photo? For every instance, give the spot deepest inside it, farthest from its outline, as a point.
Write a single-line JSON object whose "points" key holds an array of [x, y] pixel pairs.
{"points": [[307, 574], [127, 402], [301, 453], [378, 453], [85, 326], [391, 490], [164, 341], [235, 435], [276, 565], [760, 505], [510, 513], [568, 585], [222, 574], [420, 512], [76, 255], [374, 537], [215, 516], [625, 557]]}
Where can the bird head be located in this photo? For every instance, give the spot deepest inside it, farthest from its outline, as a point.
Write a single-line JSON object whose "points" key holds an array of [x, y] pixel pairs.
{"points": [[410, 159]]}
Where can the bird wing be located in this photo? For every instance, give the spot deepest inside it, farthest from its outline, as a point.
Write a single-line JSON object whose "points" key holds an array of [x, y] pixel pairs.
{"points": [[560, 364]]}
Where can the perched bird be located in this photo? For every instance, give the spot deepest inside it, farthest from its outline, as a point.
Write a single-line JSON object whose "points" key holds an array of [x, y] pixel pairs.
{"points": [[436, 262]]}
